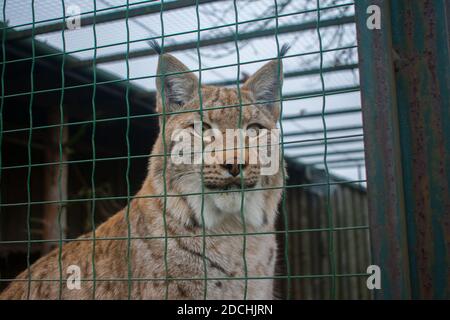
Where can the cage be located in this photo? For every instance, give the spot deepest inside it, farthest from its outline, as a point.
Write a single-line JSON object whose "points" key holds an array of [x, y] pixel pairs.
{"points": [[79, 118]]}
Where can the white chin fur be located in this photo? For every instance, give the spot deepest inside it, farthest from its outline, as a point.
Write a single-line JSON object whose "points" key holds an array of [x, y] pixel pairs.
{"points": [[227, 205], [220, 207], [228, 202]]}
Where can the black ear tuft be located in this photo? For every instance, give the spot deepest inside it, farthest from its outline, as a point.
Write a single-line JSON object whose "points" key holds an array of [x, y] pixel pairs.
{"points": [[155, 46], [284, 49]]}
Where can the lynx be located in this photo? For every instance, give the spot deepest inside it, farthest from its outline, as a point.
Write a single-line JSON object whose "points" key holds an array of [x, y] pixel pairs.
{"points": [[168, 255]]}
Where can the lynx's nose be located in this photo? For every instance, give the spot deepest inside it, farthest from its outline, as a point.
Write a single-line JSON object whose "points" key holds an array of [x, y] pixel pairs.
{"points": [[233, 169]]}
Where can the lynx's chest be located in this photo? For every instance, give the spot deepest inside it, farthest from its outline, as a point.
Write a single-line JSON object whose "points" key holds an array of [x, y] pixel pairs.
{"points": [[247, 268], [230, 268]]}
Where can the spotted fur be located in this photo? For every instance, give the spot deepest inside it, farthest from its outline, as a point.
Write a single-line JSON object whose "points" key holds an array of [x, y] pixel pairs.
{"points": [[156, 266]]}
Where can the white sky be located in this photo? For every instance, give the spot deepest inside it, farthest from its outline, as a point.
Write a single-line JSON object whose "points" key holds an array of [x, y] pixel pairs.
{"points": [[222, 12]]}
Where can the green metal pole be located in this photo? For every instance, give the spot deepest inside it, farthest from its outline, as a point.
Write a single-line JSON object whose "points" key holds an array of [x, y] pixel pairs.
{"points": [[219, 40], [319, 131], [331, 153], [420, 39], [319, 114], [299, 73], [111, 14], [382, 153], [343, 140], [405, 91]]}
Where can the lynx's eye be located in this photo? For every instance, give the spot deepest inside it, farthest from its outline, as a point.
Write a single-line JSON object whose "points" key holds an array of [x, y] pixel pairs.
{"points": [[198, 128], [255, 128]]}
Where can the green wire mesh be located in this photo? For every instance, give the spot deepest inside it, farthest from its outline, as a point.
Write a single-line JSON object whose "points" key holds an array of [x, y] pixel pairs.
{"points": [[286, 231], [327, 200]]}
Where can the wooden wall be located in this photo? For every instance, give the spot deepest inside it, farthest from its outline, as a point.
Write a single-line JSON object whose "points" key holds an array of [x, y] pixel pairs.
{"points": [[309, 244]]}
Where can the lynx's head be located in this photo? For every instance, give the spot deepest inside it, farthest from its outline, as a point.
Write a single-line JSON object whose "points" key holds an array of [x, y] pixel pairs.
{"points": [[214, 145]]}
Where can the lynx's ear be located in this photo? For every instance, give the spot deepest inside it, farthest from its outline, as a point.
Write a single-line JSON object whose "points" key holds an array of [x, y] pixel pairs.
{"points": [[178, 88], [266, 83]]}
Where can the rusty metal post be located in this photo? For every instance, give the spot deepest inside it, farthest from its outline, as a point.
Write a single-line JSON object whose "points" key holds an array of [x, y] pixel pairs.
{"points": [[405, 88], [421, 42], [382, 145]]}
